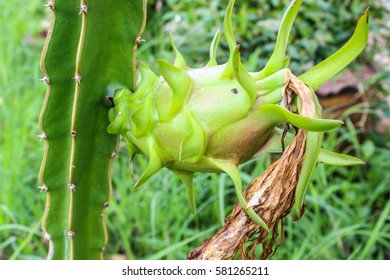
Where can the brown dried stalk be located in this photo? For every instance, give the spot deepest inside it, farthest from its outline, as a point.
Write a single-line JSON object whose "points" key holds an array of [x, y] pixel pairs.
{"points": [[271, 195]]}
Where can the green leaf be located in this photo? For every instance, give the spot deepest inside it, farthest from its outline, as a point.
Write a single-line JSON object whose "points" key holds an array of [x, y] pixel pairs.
{"points": [[243, 77], [313, 147], [332, 158], [277, 60], [188, 179], [368, 148], [179, 59], [231, 40], [180, 83], [328, 68], [154, 166], [280, 114], [232, 170], [213, 49]]}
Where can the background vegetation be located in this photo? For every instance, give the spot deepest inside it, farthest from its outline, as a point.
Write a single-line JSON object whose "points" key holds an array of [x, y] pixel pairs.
{"points": [[348, 209]]}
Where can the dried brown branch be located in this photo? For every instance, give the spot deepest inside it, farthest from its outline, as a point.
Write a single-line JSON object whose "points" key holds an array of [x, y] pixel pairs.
{"points": [[271, 195]]}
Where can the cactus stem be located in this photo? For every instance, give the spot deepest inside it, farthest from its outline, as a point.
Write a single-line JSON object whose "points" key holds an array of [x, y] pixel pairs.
{"points": [[106, 204], [71, 157], [43, 136], [77, 78], [50, 6], [43, 188], [105, 233], [72, 187], [141, 30], [46, 236]]}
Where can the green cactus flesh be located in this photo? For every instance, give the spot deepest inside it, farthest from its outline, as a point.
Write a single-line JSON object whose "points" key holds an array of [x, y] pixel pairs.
{"points": [[87, 55], [214, 118]]}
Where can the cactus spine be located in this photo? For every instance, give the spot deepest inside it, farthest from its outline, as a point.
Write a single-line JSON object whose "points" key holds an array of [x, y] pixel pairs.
{"points": [[89, 52]]}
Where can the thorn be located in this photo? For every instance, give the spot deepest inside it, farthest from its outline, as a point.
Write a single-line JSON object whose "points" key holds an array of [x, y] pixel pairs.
{"points": [[43, 188], [50, 6], [77, 78], [45, 80], [71, 234], [46, 236], [72, 187], [105, 205], [110, 99], [83, 9], [140, 40], [73, 133], [114, 154], [42, 136]]}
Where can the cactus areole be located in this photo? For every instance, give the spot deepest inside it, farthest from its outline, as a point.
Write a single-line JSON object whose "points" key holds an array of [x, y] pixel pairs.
{"points": [[214, 118]]}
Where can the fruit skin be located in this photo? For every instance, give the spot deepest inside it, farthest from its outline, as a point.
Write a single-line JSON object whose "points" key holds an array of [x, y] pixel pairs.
{"points": [[214, 118]]}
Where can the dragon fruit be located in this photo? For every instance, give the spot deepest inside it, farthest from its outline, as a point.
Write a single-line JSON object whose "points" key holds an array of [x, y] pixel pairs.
{"points": [[214, 118]]}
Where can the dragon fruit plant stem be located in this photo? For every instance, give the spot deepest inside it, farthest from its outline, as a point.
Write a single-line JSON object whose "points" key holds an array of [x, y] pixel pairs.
{"points": [[212, 119], [89, 52]]}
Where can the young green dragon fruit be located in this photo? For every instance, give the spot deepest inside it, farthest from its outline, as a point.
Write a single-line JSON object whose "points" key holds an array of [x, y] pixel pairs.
{"points": [[214, 118]]}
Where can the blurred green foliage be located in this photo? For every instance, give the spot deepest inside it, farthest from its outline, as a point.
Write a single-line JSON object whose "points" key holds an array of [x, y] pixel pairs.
{"points": [[321, 28]]}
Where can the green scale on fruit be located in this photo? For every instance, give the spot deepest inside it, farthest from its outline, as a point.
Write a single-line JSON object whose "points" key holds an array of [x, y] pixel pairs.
{"points": [[214, 118]]}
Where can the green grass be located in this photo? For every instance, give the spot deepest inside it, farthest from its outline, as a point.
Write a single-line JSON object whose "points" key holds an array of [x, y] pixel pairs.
{"points": [[21, 95], [347, 209]]}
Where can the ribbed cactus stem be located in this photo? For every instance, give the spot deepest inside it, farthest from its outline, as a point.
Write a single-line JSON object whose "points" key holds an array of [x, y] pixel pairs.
{"points": [[55, 124], [89, 52]]}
